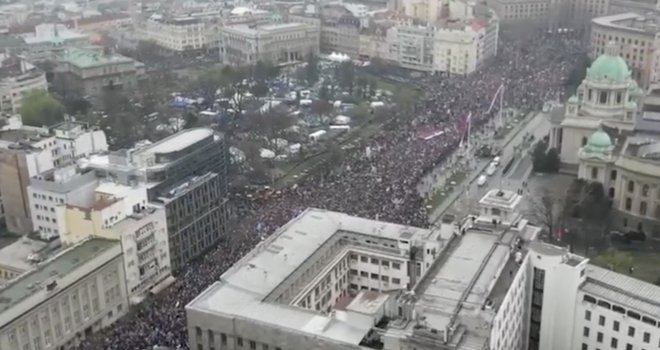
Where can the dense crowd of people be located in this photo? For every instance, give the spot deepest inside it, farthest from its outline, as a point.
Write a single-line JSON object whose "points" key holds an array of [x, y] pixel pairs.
{"points": [[379, 183]]}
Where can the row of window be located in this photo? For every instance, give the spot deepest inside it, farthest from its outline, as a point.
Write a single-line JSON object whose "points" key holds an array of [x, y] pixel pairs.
{"points": [[375, 261], [240, 342]]}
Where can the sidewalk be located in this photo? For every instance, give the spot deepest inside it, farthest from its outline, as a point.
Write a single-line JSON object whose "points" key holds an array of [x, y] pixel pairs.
{"points": [[480, 168]]}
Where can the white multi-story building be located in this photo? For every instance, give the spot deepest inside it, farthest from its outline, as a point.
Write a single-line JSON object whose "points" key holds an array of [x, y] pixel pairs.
{"points": [[177, 35], [280, 43], [17, 78], [331, 281], [64, 299], [57, 187], [123, 213], [19, 257], [28, 152], [328, 280], [459, 45]]}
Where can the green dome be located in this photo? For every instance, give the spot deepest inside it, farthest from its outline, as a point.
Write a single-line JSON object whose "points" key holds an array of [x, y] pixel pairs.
{"points": [[609, 67], [599, 142], [573, 99]]}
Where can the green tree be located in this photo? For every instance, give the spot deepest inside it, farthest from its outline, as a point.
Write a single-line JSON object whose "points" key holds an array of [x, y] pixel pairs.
{"points": [[190, 120], [345, 72], [40, 109], [552, 161], [579, 72], [312, 69]]}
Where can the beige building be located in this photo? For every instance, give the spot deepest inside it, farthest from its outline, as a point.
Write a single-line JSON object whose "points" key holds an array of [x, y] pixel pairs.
{"points": [[89, 71], [177, 35], [17, 78], [634, 35], [122, 213], [278, 43], [64, 299]]}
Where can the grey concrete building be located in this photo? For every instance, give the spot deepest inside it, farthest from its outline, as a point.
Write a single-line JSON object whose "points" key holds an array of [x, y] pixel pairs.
{"points": [[277, 43], [64, 299]]}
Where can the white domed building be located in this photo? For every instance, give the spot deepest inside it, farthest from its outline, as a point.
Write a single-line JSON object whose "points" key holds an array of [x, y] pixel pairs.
{"points": [[605, 137]]}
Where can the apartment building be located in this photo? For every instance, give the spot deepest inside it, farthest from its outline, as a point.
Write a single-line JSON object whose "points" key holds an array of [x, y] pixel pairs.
{"points": [[186, 175], [51, 39], [66, 298], [328, 280], [459, 45], [87, 72], [277, 43], [122, 213], [29, 152], [177, 35], [17, 78], [634, 34], [56, 187], [549, 14]]}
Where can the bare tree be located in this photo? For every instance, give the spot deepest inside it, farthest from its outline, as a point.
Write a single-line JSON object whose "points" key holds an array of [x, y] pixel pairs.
{"points": [[546, 209]]}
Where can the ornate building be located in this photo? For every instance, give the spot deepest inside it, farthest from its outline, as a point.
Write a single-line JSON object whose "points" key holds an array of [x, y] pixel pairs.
{"points": [[606, 136]]}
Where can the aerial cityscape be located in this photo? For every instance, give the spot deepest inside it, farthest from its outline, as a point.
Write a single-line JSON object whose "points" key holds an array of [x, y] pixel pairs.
{"points": [[349, 174]]}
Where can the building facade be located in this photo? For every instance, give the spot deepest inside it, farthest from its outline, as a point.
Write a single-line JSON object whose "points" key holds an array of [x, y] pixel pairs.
{"points": [[342, 282], [72, 295], [634, 34], [88, 72], [481, 283], [51, 39], [122, 213], [277, 43], [17, 78], [553, 15], [177, 35], [28, 152]]}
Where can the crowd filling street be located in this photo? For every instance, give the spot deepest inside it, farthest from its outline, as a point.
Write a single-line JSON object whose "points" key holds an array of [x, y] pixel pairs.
{"points": [[377, 181]]}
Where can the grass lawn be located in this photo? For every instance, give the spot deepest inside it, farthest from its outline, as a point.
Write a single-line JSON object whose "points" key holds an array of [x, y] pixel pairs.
{"points": [[646, 265], [441, 194]]}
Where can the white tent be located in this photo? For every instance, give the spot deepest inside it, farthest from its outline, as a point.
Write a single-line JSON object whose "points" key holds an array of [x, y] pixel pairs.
{"points": [[342, 120], [266, 153], [338, 57], [377, 104]]}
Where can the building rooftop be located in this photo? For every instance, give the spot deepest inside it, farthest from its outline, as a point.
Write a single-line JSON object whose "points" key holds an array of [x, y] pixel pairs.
{"points": [[61, 265], [177, 142], [501, 198], [23, 254], [454, 288], [623, 290], [242, 290], [631, 22], [91, 57], [56, 33]]}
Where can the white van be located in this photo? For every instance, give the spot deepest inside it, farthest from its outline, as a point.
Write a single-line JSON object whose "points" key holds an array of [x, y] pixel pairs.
{"points": [[496, 161], [482, 180], [491, 169]]}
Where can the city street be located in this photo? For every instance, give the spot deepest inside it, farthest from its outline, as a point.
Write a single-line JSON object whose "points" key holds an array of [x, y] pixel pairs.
{"points": [[465, 196]]}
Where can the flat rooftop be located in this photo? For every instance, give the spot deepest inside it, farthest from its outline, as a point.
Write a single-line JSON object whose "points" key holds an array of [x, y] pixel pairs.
{"points": [[60, 265], [501, 198], [242, 290], [629, 21], [623, 290], [91, 57], [16, 254], [177, 142]]}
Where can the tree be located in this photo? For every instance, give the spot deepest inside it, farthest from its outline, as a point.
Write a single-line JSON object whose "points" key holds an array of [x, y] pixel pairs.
{"points": [[40, 109], [586, 210], [324, 92], [345, 72], [544, 160], [190, 120], [321, 108], [404, 99], [552, 161], [579, 72], [312, 69], [122, 123], [546, 209]]}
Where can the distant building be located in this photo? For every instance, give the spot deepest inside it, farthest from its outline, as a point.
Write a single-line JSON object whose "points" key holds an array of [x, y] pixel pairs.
{"points": [[277, 43], [177, 35], [89, 71], [634, 34], [328, 280], [64, 299], [50, 39], [18, 78], [20, 257], [551, 15], [339, 28], [28, 152], [122, 213]]}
